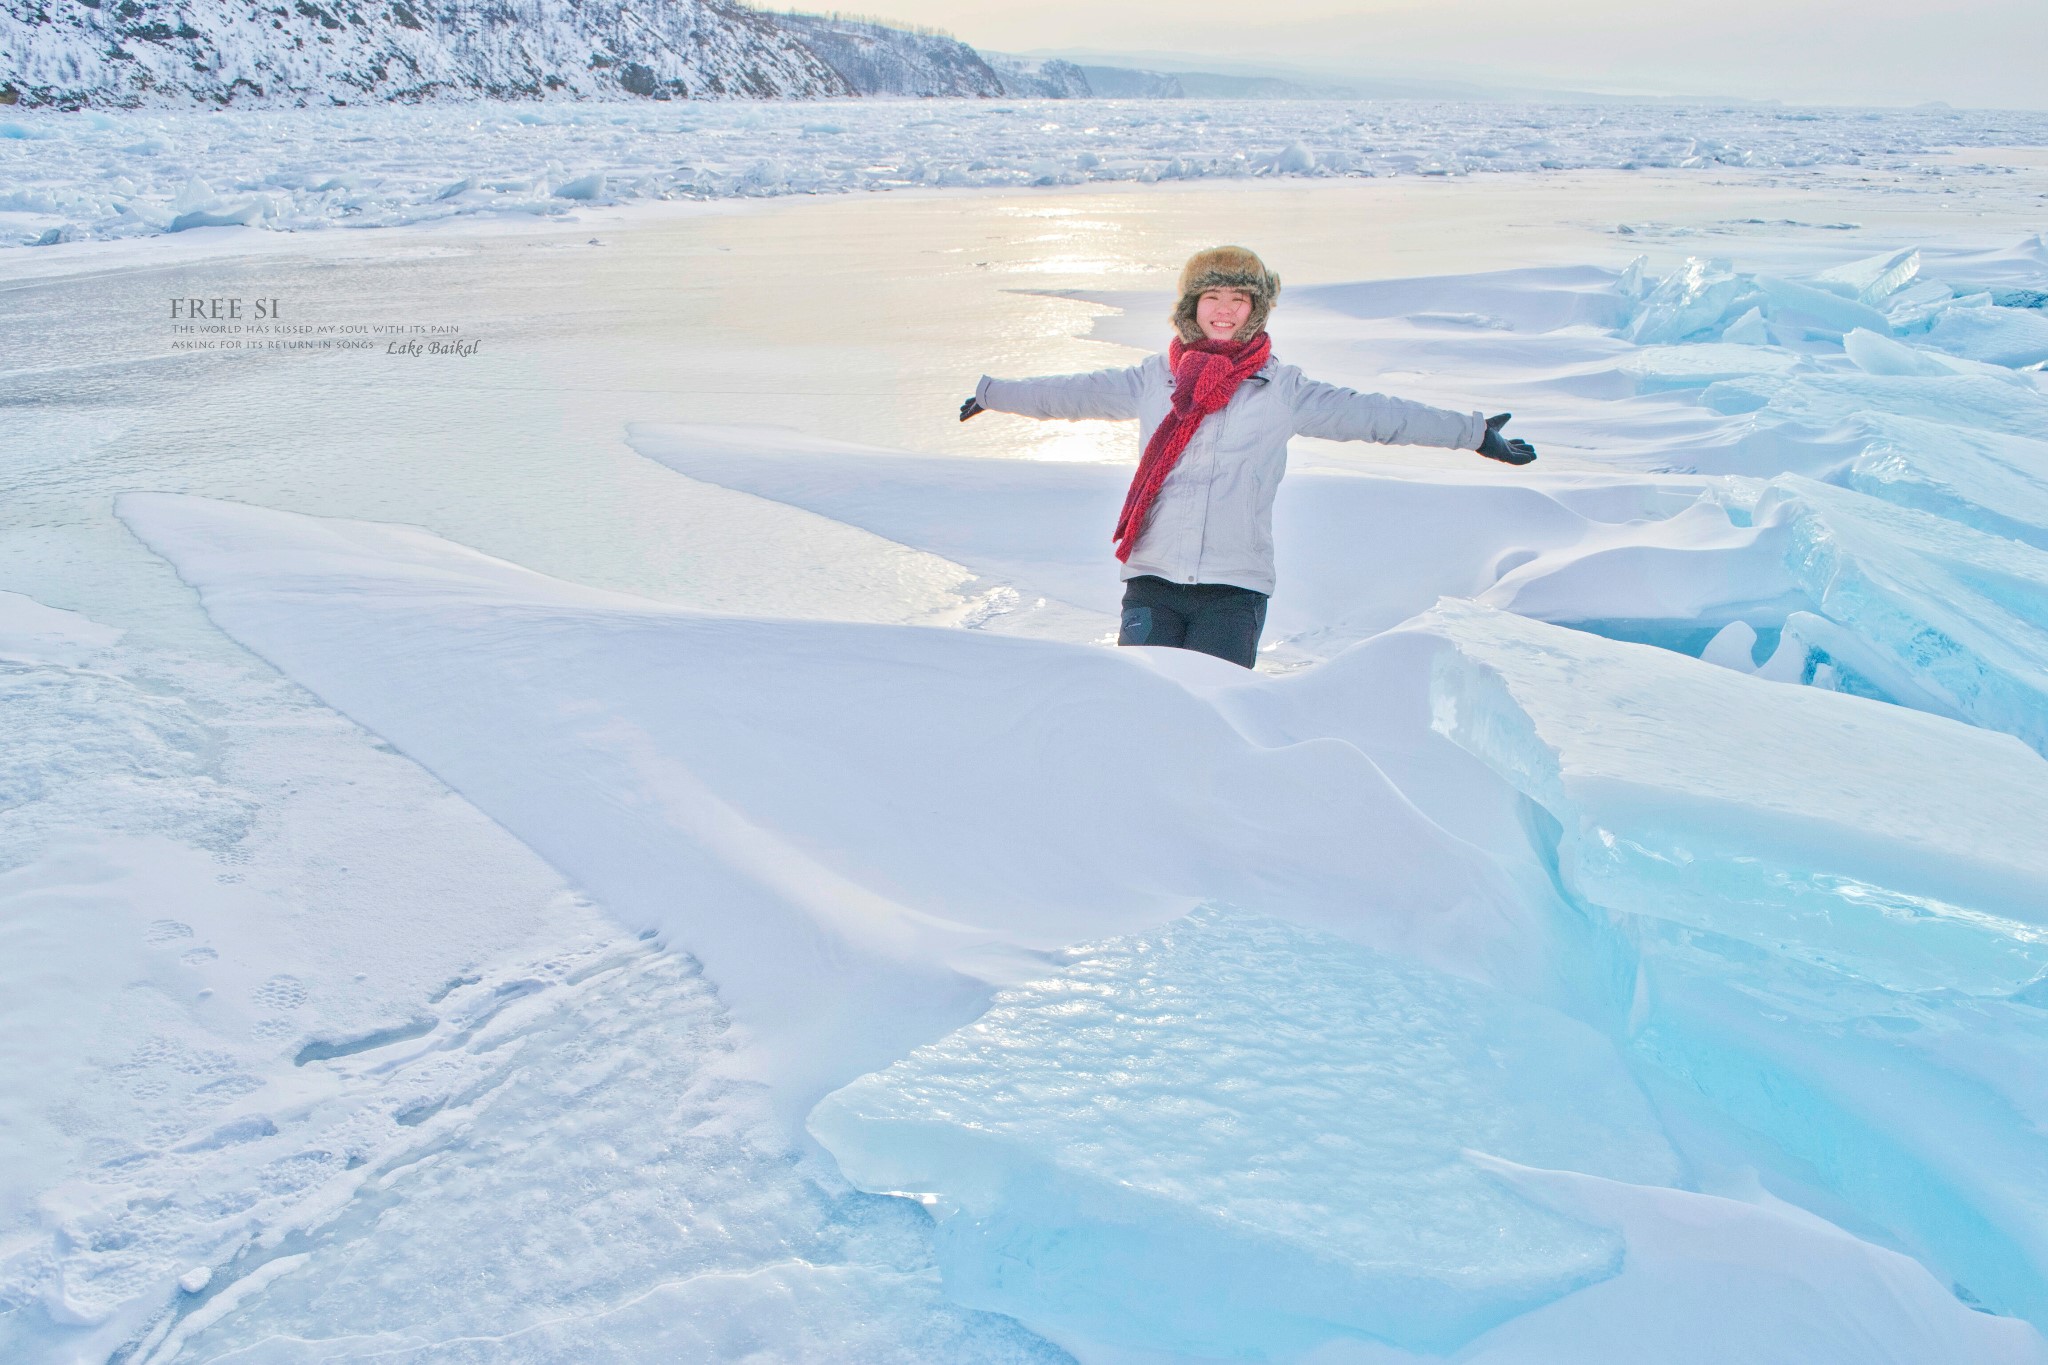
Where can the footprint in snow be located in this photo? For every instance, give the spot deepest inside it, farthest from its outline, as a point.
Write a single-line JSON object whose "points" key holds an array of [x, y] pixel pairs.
{"points": [[281, 993]]}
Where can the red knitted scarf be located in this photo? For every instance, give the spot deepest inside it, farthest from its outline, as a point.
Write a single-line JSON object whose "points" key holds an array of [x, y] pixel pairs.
{"points": [[1205, 375]]}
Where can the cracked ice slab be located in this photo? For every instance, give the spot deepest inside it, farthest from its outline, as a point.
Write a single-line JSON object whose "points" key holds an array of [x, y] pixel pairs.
{"points": [[1980, 478], [1998, 336], [1235, 1134], [1818, 402], [1901, 604], [1901, 847], [1834, 910], [1957, 612]]}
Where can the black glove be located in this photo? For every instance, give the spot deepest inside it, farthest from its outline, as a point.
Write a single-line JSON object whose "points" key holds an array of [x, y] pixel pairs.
{"points": [[970, 407], [1495, 446]]}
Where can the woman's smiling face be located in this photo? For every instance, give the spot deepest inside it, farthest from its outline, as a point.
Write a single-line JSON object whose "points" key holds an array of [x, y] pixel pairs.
{"points": [[1220, 313]]}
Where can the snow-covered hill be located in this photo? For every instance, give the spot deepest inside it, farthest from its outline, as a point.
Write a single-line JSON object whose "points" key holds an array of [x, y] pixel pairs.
{"points": [[169, 53], [173, 52]]}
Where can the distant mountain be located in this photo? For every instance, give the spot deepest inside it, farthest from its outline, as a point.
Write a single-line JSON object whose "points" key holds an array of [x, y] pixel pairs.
{"points": [[1208, 76], [154, 52], [880, 59], [1215, 85], [1106, 76], [1123, 83], [1031, 78]]}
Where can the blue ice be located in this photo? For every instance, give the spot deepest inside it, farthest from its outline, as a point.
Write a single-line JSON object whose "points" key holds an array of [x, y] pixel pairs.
{"points": [[1983, 479], [1920, 872], [1985, 331], [1837, 913], [1885, 295], [1233, 1135], [1873, 280], [1921, 570], [1944, 616], [1817, 402], [1705, 301]]}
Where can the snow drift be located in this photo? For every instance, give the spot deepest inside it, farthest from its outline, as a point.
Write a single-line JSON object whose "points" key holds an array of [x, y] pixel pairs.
{"points": [[651, 749], [1389, 999]]}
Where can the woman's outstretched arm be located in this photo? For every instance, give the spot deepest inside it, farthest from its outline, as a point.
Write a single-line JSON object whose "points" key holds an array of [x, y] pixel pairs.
{"points": [[1111, 394], [1341, 414]]}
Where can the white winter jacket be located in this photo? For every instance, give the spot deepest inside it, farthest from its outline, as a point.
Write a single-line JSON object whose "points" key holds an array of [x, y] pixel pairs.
{"points": [[1213, 519]]}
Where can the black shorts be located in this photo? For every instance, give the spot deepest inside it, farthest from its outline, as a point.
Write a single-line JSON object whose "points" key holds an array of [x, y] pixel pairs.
{"points": [[1214, 618]]}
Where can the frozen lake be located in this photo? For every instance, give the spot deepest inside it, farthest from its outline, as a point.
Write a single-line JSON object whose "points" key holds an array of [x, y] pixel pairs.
{"points": [[327, 923], [95, 175]]}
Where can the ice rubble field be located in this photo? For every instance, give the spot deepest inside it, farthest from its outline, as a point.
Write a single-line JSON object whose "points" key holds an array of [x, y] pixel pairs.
{"points": [[94, 175], [1612, 927]]}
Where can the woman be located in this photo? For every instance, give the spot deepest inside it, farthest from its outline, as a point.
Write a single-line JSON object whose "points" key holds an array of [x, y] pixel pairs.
{"points": [[1214, 416]]}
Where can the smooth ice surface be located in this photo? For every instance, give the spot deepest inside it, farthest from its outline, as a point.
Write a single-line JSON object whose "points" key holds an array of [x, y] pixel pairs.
{"points": [[1231, 1135]]}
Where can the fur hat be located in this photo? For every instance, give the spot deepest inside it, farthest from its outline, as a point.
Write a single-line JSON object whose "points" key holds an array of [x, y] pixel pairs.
{"points": [[1225, 267]]}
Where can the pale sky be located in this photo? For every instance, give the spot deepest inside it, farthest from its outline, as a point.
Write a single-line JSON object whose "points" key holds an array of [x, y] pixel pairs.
{"points": [[1970, 53]]}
